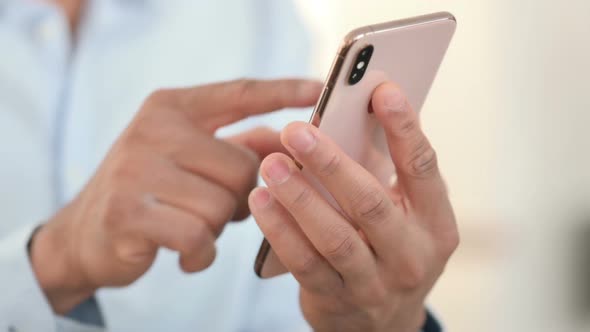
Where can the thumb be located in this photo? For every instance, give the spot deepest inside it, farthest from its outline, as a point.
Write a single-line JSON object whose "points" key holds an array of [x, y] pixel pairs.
{"points": [[262, 141], [414, 157]]}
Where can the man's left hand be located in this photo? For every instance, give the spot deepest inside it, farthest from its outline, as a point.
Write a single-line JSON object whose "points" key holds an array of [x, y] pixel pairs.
{"points": [[370, 266]]}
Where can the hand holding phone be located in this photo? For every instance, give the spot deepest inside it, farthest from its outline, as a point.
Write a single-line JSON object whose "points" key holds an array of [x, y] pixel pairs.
{"points": [[408, 52], [365, 252], [384, 250]]}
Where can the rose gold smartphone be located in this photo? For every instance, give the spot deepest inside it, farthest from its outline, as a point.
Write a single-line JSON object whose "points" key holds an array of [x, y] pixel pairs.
{"points": [[407, 52]]}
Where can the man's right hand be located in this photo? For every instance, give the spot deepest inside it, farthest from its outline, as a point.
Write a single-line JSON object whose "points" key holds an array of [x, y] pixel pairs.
{"points": [[166, 182]]}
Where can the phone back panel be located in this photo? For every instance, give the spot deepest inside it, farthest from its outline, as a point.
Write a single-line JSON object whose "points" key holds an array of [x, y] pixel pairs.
{"points": [[407, 52]]}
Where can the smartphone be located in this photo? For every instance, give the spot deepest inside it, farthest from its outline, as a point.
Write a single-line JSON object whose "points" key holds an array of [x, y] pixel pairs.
{"points": [[407, 52]]}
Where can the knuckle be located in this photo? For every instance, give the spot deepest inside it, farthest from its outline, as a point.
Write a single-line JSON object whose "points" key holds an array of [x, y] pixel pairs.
{"points": [[306, 265], [405, 128], [242, 90], [331, 166], [140, 131], [303, 199], [136, 250], [449, 243], [193, 238], [123, 171], [412, 273], [156, 108], [123, 207], [246, 177], [223, 207], [275, 230], [369, 206], [124, 166], [115, 209], [423, 161], [159, 97], [198, 261], [341, 246], [141, 207]]}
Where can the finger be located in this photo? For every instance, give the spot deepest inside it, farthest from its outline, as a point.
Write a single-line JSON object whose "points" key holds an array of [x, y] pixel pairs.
{"points": [[414, 157], [292, 247], [362, 198], [213, 203], [263, 141], [178, 230], [332, 235], [232, 167], [215, 105]]}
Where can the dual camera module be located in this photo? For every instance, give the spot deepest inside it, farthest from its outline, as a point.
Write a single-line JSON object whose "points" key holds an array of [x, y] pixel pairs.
{"points": [[360, 65]]}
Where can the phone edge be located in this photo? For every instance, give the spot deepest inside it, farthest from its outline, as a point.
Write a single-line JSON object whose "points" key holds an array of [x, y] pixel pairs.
{"points": [[349, 40]]}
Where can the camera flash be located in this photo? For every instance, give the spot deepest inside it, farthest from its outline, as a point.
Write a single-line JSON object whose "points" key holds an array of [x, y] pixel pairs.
{"points": [[360, 65]]}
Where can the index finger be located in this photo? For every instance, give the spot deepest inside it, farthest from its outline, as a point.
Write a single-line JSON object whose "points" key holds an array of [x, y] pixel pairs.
{"points": [[215, 105]]}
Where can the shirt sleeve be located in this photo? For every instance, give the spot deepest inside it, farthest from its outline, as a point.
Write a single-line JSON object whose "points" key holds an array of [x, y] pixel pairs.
{"points": [[431, 324], [23, 306]]}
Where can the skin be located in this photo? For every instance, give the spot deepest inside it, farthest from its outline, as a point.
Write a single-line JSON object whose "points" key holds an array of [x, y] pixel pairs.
{"points": [[369, 267], [166, 182], [72, 10]]}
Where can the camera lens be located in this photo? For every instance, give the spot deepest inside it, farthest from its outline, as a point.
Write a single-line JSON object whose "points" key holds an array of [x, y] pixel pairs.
{"points": [[360, 65]]}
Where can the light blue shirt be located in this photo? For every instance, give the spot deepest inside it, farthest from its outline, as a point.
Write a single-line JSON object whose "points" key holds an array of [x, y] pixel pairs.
{"points": [[63, 103]]}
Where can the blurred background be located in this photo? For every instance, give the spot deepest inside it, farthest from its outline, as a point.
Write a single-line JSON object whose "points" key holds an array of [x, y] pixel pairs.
{"points": [[508, 114]]}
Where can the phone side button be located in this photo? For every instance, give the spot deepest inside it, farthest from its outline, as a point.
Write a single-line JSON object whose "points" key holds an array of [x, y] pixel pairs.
{"points": [[321, 106]]}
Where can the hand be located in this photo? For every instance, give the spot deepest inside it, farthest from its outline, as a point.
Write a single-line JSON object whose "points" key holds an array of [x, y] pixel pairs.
{"points": [[370, 267], [167, 182]]}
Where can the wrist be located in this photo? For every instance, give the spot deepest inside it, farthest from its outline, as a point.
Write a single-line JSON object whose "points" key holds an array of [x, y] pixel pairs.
{"points": [[422, 319], [60, 280], [416, 323], [411, 321]]}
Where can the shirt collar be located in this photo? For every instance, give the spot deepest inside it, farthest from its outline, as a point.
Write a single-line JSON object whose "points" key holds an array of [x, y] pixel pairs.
{"points": [[24, 6], [5, 3]]}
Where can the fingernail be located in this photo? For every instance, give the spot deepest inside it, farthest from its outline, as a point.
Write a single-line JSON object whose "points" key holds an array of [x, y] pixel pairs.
{"points": [[261, 198], [394, 100], [278, 171], [301, 140]]}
